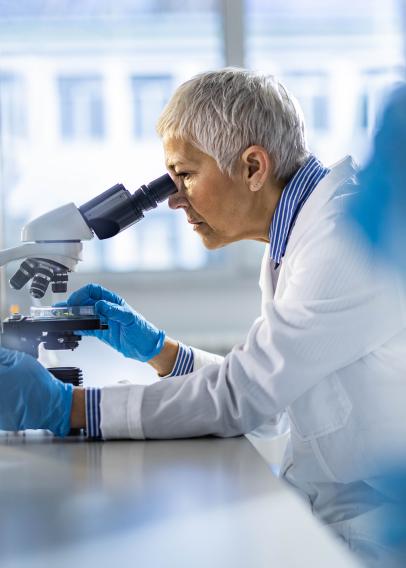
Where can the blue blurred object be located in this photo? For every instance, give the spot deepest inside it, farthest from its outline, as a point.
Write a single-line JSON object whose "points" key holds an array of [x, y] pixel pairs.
{"points": [[129, 333], [390, 523], [30, 397], [380, 210], [395, 526], [380, 207]]}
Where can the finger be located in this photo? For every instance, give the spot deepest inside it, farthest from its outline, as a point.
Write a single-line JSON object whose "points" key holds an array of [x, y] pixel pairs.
{"points": [[91, 293], [112, 311], [60, 304], [99, 293], [85, 296], [9, 357]]}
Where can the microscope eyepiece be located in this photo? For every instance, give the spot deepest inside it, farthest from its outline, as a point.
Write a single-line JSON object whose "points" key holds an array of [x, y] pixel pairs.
{"points": [[116, 209], [161, 188]]}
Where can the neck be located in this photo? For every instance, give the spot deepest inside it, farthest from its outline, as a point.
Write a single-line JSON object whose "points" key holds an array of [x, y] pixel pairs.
{"points": [[267, 204]]}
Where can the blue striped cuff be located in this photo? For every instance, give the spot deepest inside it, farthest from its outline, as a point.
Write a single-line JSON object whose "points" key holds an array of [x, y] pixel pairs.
{"points": [[185, 361], [92, 398]]}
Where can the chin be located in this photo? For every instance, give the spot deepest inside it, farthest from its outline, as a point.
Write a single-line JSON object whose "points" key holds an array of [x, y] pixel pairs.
{"points": [[210, 239], [212, 244]]}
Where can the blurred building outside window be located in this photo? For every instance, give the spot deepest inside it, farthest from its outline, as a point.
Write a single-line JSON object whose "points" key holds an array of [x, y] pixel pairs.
{"points": [[12, 106], [150, 94], [338, 59], [81, 105], [96, 81], [310, 87]]}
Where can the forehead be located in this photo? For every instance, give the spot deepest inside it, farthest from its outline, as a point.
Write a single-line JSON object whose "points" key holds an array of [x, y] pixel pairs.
{"points": [[179, 152]]}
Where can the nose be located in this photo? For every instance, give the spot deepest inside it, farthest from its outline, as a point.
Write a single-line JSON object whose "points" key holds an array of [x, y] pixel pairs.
{"points": [[178, 200]]}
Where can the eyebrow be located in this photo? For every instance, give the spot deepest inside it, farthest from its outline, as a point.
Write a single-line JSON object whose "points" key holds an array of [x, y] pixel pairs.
{"points": [[172, 165], [178, 163]]}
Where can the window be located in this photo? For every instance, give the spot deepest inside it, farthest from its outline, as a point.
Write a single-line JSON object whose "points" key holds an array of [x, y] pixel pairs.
{"points": [[324, 52], [12, 106], [311, 88], [81, 108], [150, 94], [97, 80], [90, 79], [374, 85], [320, 112]]}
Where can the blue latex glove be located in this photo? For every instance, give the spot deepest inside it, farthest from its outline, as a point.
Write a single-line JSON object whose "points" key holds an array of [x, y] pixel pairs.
{"points": [[30, 397], [128, 332]]}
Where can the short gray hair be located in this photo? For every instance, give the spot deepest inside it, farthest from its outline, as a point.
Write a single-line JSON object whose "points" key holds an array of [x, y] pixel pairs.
{"points": [[224, 112]]}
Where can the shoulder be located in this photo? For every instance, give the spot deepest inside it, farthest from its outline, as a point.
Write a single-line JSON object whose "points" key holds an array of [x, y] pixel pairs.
{"points": [[329, 199]]}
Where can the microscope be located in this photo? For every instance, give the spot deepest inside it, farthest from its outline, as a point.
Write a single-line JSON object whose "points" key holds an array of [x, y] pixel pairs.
{"points": [[51, 248]]}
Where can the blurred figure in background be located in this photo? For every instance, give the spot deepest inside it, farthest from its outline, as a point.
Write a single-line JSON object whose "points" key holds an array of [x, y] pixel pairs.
{"points": [[380, 211], [380, 207]]}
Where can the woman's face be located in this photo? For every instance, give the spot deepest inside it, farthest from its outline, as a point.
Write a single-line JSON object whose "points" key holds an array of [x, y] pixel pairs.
{"points": [[221, 209]]}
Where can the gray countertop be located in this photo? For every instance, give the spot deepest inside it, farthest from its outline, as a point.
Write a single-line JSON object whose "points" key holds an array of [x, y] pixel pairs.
{"points": [[202, 502]]}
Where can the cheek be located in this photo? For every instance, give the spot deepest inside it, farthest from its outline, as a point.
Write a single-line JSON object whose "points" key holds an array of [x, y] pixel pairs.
{"points": [[198, 196], [206, 197], [208, 208]]}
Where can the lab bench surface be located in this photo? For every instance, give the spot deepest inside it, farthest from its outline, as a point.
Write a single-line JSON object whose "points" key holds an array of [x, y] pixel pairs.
{"points": [[203, 502]]}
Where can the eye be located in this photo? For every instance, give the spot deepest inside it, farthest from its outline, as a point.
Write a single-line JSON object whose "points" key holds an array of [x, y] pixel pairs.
{"points": [[183, 175]]}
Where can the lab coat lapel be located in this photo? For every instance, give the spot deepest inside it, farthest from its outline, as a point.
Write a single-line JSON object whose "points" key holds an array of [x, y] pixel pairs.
{"points": [[268, 278]]}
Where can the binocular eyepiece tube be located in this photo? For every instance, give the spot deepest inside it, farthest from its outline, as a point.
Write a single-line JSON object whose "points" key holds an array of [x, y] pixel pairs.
{"points": [[116, 209]]}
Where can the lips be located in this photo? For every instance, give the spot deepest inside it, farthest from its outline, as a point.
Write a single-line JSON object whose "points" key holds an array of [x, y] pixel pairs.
{"points": [[194, 221]]}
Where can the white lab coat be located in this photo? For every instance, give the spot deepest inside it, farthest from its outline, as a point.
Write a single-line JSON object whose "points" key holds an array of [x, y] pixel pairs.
{"points": [[329, 349]]}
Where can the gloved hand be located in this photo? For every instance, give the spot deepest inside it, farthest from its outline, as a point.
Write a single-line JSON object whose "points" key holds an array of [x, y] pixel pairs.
{"points": [[30, 397], [128, 332]]}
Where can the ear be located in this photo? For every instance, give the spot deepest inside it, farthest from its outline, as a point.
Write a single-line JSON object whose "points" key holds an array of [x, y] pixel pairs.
{"points": [[256, 167]]}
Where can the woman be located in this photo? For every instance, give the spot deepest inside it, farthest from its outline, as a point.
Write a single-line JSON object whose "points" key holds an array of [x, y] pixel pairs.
{"points": [[326, 355]]}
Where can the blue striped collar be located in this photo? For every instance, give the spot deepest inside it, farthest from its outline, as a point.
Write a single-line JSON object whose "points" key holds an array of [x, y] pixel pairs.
{"points": [[292, 199]]}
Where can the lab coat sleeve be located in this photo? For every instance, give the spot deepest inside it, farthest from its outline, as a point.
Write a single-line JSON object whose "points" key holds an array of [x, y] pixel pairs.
{"points": [[190, 359], [202, 358], [334, 310]]}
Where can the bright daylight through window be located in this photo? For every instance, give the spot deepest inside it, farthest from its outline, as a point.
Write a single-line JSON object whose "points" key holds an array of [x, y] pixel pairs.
{"points": [[81, 87], [82, 84]]}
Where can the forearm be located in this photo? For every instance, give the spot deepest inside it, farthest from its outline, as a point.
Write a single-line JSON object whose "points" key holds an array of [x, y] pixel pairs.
{"points": [[164, 362], [78, 411], [175, 360]]}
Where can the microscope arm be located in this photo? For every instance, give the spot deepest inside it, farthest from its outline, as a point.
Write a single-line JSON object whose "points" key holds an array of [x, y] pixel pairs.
{"points": [[67, 254], [55, 236], [51, 247]]}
